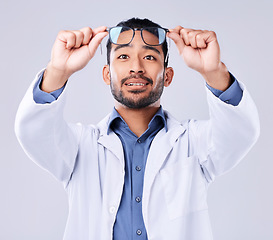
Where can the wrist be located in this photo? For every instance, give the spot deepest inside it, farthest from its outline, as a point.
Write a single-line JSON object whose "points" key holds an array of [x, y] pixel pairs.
{"points": [[218, 79], [53, 79]]}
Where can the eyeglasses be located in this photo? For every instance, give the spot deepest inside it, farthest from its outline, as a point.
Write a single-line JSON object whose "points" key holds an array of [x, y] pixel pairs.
{"points": [[152, 36]]}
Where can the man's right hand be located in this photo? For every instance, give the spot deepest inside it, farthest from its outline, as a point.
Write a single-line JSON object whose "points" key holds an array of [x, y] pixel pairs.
{"points": [[71, 52]]}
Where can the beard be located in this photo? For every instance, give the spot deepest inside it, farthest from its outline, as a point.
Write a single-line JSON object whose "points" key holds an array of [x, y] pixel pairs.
{"points": [[136, 102]]}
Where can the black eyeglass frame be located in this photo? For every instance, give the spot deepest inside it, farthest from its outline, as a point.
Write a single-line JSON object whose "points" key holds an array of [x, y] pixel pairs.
{"points": [[138, 29]]}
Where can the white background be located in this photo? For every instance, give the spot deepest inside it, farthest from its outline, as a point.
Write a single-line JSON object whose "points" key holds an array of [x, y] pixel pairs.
{"points": [[33, 205]]}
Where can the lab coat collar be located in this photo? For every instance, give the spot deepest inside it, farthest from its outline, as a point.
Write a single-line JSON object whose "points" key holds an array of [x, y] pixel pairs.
{"points": [[164, 140], [171, 123], [114, 115]]}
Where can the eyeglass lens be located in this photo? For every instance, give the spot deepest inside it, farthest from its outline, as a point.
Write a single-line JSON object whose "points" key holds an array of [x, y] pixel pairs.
{"points": [[124, 35]]}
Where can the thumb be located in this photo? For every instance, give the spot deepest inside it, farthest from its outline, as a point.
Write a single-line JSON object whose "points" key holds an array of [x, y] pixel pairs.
{"points": [[95, 42], [178, 40]]}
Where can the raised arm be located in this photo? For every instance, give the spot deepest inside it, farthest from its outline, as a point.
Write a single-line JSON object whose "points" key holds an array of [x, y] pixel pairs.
{"points": [[232, 129], [40, 128]]}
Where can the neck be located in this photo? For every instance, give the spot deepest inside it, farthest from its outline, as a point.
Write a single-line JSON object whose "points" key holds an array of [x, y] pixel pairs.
{"points": [[137, 119]]}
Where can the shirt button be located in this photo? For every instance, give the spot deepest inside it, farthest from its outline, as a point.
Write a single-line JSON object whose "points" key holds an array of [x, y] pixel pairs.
{"points": [[112, 210], [138, 232], [139, 141], [138, 168], [138, 199]]}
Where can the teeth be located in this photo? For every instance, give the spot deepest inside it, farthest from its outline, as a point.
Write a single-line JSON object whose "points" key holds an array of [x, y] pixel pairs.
{"points": [[136, 84]]}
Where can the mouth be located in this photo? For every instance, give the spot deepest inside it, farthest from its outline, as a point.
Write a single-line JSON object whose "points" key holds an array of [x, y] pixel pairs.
{"points": [[136, 85], [131, 84], [137, 81]]}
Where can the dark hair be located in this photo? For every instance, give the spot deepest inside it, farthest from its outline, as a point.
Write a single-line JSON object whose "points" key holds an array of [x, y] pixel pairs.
{"points": [[138, 23]]}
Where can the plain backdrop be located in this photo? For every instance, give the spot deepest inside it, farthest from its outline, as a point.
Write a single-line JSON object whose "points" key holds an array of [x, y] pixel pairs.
{"points": [[33, 205]]}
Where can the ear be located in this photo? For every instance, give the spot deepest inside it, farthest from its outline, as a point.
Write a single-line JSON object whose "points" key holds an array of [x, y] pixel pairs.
{"points": [[106, 74], [168, 76]]}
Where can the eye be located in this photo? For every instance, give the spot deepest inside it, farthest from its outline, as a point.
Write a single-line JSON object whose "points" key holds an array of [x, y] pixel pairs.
{"points": [[150, 57], [123, 56]]}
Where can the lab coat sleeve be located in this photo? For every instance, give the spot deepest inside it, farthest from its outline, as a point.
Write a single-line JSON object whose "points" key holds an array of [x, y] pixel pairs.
{"points": [[45, 137], [221, 142]]}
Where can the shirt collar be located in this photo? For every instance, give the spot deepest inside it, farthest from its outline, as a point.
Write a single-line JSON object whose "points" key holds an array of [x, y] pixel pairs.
{"points": [[115, 115]]}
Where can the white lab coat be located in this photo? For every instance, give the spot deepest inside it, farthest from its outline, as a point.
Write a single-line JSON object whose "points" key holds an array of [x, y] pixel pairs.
{"points": [[180, 165]]}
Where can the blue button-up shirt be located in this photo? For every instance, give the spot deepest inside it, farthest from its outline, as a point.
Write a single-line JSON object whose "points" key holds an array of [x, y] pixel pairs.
{"points": [[129, 222]]}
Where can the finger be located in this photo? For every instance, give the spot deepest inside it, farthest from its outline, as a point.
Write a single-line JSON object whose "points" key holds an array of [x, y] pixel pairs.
{"points": [[192, 37], [95, 41], [68, 38], [200, 40], [176, 29], [179, 42], [184, 34], [87, 32], [204, 38], [209, 36], [79, 38], [99, 29]]}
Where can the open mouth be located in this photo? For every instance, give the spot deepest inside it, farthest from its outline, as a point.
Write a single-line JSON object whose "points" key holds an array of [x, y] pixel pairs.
{"points": [[136, 84], [137, 81]]}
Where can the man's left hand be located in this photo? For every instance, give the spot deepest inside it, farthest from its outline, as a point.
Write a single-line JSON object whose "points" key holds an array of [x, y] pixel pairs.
{"points": [[201, 52]]}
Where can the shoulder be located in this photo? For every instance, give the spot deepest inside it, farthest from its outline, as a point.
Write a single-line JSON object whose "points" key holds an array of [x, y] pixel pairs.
{"points": [[94, 130], [192, 124]]}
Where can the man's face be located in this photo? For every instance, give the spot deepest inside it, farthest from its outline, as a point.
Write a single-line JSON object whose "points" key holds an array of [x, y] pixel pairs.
{"points": [[136, 72]]}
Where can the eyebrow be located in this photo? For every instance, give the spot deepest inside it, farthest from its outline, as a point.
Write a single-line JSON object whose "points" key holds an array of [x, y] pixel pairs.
{"points": [[145, 47], [122, 46], [152, 48]]}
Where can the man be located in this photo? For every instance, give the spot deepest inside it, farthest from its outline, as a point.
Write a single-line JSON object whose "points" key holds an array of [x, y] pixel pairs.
{"points": [[139, 173]]}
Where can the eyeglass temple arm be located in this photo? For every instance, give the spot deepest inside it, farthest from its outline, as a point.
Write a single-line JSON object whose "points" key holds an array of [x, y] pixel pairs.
{"points": [[167, 55], [107, 30]]}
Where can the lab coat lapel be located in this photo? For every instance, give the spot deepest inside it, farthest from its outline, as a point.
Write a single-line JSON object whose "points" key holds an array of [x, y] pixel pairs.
{"points": [[160, 148], [111, 141], [163, 144]]}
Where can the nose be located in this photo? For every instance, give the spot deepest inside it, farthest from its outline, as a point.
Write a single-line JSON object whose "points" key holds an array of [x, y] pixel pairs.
{"points": [[137, 66], [139, 71]]}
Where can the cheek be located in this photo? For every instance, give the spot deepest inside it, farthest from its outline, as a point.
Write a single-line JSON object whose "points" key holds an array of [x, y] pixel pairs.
{"points": [[160, 74], [156, 69], [113, 73], [117, 71]]}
